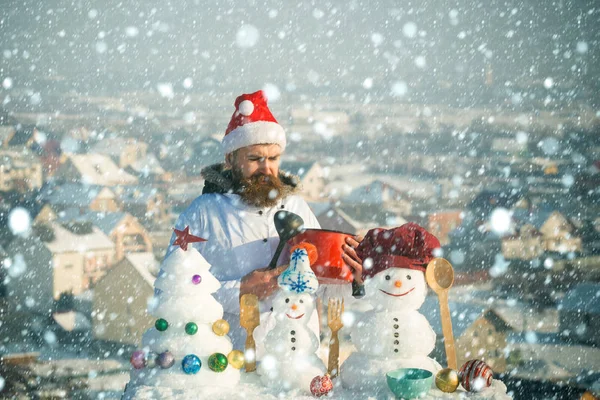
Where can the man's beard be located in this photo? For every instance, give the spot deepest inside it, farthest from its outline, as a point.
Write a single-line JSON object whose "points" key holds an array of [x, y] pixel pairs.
{"points": [[258, 190]]}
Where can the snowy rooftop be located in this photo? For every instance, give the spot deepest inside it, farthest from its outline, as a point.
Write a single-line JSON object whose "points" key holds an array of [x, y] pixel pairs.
{"points": [[99, 169], [584, 298], [145, 264], [67, 241]]}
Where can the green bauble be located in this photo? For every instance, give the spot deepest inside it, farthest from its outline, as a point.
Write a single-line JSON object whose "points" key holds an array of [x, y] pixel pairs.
{"points": [[161, 324], [191, 328], [217, 362]]}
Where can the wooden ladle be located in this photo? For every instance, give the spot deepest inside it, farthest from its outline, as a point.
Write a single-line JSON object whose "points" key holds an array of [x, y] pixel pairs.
{"points": [[440, 277]]}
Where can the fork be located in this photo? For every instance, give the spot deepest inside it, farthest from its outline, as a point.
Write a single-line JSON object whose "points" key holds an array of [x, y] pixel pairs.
{"points": [[335, 309]]}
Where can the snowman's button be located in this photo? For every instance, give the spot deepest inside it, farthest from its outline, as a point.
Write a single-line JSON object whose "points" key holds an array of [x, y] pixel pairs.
{"points": [[396, 319], [395, 350], [293, 340], [396, 334], [293, 332], [396, 342], [395, 326], [293, 349]]}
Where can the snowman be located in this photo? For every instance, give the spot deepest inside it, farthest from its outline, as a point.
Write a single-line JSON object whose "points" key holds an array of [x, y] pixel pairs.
{"points": [[394, 334], [290, 361]]}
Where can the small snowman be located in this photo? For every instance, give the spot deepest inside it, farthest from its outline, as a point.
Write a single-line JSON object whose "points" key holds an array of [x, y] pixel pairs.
{"points": [[394, 334], [290, 361]]}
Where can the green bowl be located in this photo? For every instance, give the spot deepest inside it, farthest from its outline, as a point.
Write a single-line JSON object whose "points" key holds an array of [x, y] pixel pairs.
{"points": [[409, 383]]}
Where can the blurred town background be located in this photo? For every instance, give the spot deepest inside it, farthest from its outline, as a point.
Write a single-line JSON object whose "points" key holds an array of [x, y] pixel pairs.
{"points": [[480, 122]]}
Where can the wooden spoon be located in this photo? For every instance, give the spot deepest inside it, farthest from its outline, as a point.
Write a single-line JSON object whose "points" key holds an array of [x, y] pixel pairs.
{"points": [[440, 277], [249, 320]]}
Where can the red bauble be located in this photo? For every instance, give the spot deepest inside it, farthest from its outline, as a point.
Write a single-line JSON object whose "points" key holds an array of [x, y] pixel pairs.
{"points": [[321, 385], [475, 375]]}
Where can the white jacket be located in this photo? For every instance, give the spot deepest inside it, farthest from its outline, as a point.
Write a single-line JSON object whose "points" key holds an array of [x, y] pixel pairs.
{"points": [[239, 238]]}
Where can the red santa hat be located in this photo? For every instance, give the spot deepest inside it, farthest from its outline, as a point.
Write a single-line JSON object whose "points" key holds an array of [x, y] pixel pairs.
{"points": [[252, 123], [408, 246]]}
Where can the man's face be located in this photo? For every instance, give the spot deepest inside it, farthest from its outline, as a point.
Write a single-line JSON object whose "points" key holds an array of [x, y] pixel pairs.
{"points": [[256, 174], [256, 160]]}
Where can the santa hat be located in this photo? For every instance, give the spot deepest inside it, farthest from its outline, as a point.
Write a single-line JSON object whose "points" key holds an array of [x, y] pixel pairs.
{"points": [[252, 123], [298, 277], [408, 246]]}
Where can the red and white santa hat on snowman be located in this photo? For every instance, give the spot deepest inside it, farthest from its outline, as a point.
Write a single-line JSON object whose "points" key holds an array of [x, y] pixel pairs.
{"points": [[252, 123], [407, 246]]}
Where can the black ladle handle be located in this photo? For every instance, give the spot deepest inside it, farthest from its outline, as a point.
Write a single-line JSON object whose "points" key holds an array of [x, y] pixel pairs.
{"points": [[358, 289], [273, 262]]}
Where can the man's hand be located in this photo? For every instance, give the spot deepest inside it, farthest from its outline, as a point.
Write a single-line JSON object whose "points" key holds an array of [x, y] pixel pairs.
{"points": [[351, 258], [261, 282]]}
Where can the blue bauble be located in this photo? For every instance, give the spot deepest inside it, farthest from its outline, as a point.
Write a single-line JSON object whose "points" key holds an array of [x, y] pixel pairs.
{"points": [[191, 364]]}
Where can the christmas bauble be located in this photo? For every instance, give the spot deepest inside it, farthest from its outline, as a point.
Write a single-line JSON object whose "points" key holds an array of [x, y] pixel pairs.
{"points": [[447, 380], [151, 359], [165, 360], [475, 375], [236, 359], [321, 385], [588, 396], [191, 364], [138, 359], [196, 279], [221, 327], [161, 324], [191, 328], [217, 362]]}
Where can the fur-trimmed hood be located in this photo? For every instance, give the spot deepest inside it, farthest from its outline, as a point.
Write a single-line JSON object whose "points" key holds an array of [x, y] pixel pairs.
{"points": [[218, 179]]}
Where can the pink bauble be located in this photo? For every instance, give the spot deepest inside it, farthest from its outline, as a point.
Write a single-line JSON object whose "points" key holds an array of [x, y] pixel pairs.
{"points": [[138, 359], [321, 385], [475, 375]]}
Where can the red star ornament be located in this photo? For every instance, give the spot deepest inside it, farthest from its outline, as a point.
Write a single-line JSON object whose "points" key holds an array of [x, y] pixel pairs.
{"points": [[184, 238]]}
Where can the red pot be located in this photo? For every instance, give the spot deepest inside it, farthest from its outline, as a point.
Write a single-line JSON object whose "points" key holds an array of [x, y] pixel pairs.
{"points": [[330, 266]]}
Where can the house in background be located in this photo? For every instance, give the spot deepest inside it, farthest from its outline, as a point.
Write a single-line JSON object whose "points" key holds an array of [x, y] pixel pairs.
{"points": [[93, 169], [579, 314], [77, 195], [123, 151], [441, 223], [545, 232], [59, 259], [32, 284], [128, 235], [20, 170], [144, 202], [479, 332], [23, 136], [311, 177], [559, 234], [121, 299], [6, 132]]}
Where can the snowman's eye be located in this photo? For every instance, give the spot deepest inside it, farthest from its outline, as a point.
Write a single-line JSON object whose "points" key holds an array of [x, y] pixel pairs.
{"points": [[302, 301], [408, 277], [387, 277], [287, 300]]}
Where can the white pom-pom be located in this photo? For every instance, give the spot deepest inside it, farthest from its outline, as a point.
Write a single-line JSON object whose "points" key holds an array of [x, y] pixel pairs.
{"points": [[246, 108]]}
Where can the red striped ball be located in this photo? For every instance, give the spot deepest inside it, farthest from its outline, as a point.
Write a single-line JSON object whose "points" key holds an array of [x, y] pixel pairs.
{"points": [[475, 375]]}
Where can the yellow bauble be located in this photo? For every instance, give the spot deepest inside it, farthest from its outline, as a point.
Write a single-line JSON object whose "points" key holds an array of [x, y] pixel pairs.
{"points": [[447, 380], [588, 396], [236, 359], [221, 327]]}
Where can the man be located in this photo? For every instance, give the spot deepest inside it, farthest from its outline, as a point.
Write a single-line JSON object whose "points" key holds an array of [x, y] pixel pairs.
{"points": [[235, 213]]}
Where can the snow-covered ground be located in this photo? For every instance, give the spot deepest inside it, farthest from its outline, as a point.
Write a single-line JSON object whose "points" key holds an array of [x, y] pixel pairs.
{"points": [[250, 388]]}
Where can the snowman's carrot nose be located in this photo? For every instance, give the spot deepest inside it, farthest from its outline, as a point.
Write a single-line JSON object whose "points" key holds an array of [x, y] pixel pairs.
{"points": [[294, 307], [398, 283]]}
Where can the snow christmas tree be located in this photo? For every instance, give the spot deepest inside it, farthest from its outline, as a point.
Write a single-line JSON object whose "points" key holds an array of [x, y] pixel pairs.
{"points": [[188, 346]]}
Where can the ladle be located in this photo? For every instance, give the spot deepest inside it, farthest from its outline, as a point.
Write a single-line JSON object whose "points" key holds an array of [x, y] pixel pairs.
{"points": [[287, 225], [440, 277]]}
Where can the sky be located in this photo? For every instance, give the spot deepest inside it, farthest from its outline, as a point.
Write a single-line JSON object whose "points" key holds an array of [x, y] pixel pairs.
{"points": [[111, 45]]}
